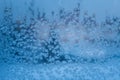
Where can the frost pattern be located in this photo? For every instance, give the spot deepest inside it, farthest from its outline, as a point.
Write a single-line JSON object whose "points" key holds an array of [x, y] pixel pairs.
{"points": [[64, 47], [36, 39]]}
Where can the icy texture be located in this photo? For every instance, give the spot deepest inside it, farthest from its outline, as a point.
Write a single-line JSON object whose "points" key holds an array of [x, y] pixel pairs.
{"points": [[64, 47], [31, 38], [63, 71]]}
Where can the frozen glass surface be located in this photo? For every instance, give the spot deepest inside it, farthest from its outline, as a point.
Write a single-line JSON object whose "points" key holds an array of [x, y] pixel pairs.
{"points": [[59, 40]]}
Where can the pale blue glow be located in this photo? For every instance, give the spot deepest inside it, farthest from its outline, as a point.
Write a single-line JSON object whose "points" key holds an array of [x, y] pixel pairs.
{"points": [[101, 8]]}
